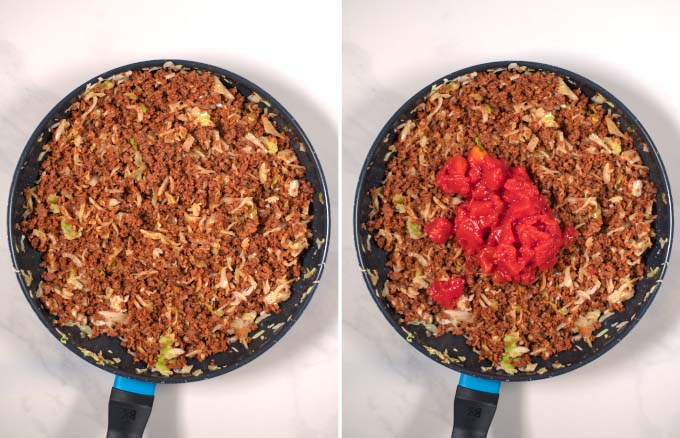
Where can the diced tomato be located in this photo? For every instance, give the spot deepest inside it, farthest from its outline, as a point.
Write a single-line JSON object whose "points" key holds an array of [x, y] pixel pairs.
{"points": [[439, 230], [523, 208], [503, 233], [468, 232], [505, 222], [458, 165], [494, 173], [545, 254], [446, 292], [451, 178], [510, 263], [486, 212], [487, 259], [475, 158]]}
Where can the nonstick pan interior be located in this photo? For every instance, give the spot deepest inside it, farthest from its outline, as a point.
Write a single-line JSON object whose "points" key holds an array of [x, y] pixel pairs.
{"points": [[106, 352], [451, 350]]}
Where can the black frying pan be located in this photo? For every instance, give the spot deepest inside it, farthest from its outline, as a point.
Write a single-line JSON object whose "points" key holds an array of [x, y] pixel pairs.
{"points": [[132, 395], [477, 393]]}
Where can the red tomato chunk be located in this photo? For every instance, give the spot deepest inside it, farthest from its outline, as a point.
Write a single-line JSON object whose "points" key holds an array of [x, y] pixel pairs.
{"points": [[439, 230], [446, 292]]}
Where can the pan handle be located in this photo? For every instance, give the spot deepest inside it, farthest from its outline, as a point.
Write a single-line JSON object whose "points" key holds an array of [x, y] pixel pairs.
{"points": [[129, 407], [474, 406]]}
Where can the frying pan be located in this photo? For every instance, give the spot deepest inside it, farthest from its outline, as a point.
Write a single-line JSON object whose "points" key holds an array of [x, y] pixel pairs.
{"points": [[132, 393], [477, 393]]}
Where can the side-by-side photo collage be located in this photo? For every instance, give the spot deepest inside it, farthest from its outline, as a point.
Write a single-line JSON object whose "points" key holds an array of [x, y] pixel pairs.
{"points": [[339, 219]]}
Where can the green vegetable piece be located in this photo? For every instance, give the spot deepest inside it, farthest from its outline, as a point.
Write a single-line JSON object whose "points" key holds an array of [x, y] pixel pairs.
{"points": [[507, 360], [141, 167], [161, 362], [162, 367], [309, 273], [450, 86], [69, 232], [506, 364], [549, 120], [164, 341], [138, 172], [107, 84], [143, 108], [510, 340], [616, 147], [53, 204], [478, 142], [204, 119], [487, 108], [601, 333], [414, 230], [133, 143], [398, 201], [218, 312], [270, 144], [30, 195], [86, 329]]}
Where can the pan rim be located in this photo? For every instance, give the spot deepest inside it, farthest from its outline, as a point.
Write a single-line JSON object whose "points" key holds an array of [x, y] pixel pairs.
{"points": [[388, 128], [298, 131]]}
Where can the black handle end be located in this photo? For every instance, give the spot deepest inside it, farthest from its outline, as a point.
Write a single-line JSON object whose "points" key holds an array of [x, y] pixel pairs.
{"points": [[128, 413], [473, 412]]}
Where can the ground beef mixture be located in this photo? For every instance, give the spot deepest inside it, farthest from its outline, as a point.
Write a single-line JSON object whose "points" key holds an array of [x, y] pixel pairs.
{"points": [[582, 163], [170, 212]]}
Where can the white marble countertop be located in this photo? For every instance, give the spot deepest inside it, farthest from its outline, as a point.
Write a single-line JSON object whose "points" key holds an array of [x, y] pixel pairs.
{"points": [[49, 48], [391, 49]]}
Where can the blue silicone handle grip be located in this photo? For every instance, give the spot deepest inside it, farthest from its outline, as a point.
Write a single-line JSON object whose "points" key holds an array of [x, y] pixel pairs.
{"points": [[479, 384], [134, 386]]}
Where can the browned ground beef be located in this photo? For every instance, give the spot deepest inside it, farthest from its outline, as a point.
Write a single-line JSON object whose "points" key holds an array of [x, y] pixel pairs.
{"points": [[171, 213], [588, 170]]}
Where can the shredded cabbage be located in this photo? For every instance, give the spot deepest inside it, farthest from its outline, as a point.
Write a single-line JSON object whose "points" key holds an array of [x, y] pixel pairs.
{"points": [[219, 88], [564, 89], [613, 128], [70, 233], [53, 204], [414, 230]]}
